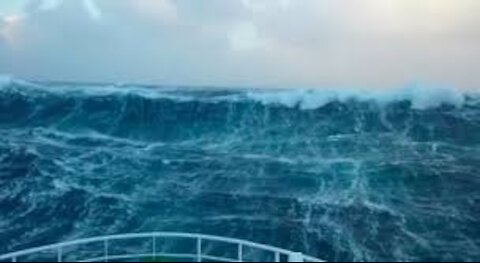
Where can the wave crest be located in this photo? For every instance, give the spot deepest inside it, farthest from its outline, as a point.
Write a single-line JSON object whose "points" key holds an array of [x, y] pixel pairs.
{"points": [[421, 97]]}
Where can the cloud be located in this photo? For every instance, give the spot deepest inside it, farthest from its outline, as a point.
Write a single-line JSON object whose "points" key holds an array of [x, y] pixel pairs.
{"points": [[245, 37], [47, 5], [374, 43], [92, 9], [89, 6], [162, 10]]}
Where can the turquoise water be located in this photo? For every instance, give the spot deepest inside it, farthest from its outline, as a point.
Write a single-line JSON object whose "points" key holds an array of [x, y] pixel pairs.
{"points": [[340, 177]]}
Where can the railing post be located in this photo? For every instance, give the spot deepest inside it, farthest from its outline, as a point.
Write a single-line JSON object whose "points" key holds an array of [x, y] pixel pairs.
{"points": [[295, 257], [240, 252], [105, 250], [277, 256], [199, 249], [59, 255], [154, 247]]}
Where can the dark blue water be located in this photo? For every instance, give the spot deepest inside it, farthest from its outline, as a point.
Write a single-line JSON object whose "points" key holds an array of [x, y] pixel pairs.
{"points": [[341, 179]]}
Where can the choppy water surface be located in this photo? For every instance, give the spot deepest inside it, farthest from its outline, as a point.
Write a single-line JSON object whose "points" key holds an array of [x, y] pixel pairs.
{"points": [[339, 177]]}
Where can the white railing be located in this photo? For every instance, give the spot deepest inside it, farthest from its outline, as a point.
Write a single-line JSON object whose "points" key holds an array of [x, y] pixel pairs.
{"points": [[200, 255]]}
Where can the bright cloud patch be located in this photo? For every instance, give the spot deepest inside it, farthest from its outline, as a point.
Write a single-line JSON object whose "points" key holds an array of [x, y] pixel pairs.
{"points": [[92, 9], [49, 4]]}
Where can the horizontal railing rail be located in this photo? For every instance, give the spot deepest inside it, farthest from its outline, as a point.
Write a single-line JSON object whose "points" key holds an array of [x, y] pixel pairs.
{"points": [[200, 255]]}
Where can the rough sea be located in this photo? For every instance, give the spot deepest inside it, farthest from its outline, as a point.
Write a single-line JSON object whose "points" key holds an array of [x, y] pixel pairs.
{"points": [[343, 176]]}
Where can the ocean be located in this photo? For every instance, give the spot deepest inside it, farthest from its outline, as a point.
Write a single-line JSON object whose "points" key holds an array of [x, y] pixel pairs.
{"points": [[343, 176]]}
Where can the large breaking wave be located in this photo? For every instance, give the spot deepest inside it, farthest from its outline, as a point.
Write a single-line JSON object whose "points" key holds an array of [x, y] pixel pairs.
{"points": [[340, 175]]}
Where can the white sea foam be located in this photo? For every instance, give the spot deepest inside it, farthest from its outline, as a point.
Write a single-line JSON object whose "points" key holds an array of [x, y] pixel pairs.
{"points": [[421, 97]]}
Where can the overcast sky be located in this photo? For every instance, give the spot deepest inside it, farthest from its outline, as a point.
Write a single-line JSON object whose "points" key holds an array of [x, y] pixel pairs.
{"points": [[324, 43]]}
